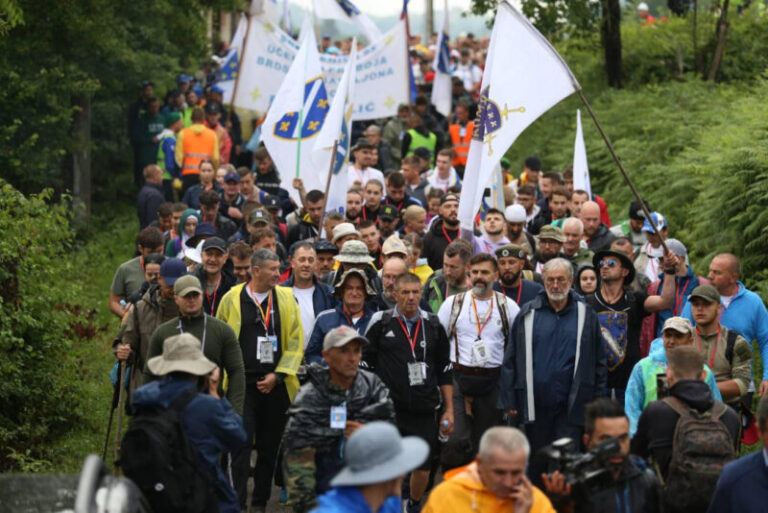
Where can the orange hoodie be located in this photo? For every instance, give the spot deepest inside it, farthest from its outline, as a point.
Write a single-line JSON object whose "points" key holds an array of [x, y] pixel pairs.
{"points": [[463, 492]]}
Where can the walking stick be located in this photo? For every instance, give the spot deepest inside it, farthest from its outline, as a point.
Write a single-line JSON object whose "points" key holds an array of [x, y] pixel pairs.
{"points": [[120, 408], [115, 400]]}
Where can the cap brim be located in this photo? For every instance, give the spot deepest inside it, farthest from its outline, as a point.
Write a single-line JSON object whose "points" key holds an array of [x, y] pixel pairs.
{"points": [[414, 453], [183, 292], [362, 339], [353, 260], [170, 280]]}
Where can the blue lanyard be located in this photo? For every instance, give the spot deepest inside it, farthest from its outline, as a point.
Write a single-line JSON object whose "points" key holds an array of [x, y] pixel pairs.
{"points": [[626, 508]]}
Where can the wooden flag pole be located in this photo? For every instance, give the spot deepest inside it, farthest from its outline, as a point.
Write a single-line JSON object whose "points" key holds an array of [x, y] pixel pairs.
{"points": [[328, 185], [621, 167]]}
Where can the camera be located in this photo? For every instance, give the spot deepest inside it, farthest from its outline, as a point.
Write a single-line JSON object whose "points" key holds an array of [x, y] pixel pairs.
{"points": [[587, 473]]}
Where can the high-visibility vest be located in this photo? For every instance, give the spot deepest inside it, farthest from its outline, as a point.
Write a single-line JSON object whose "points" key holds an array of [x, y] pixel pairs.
{"points": [[161, 155], [418, 141], [461, 145], [198, 146]]}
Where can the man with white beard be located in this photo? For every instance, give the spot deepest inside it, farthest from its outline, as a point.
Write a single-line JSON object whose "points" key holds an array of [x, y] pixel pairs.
{"points": [[477, 323], [559, 332]]}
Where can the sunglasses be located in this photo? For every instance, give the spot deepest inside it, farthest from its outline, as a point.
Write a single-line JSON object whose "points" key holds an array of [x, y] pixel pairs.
{"points": [[609, 263]]}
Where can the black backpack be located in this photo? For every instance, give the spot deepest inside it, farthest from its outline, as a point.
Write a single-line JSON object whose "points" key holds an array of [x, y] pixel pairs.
{"points": [[156, 456]]}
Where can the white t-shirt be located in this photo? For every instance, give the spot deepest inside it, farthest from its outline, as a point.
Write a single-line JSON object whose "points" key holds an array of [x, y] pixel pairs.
{"points": [[466, 328], [470, 74], [727, 300], [435, 181], [653, 268], [356, 175], [307, 309]]}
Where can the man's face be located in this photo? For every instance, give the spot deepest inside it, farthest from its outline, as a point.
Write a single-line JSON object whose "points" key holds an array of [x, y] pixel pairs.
{"points": [[353, 293], [363, 157], [391, 270], [443, 163], [611, 270], [264, 165], [418, 223], [315, 210], [213, 260], [370, 237], [569, 184], [549, 248], [166, 291], [324, 264], [559, 206], [514, 230], [636, 225], [607, 428], [455, 271], [577, 200], [372, 196], [269, 243], [268, 275], [673, 339], [482, 275], [191, 98], [206, 173], [396, 194], [303, 263], [462, 114], [209, 211], [212, 119], [408, 296], [721, 275], [404, 114], [373, 138], [354, 205], [502, 472], [591, 220], [147, 91], [533, 176], [703, 311], [373, 158], [449, 211], [572, 235], [189, 305], [246, 184], [232, 188], [151, 272], [387, 227], [175, 219], [545, 184], [510, 269], [410, 172], [344, 360], [526, 200], [145, 252], [242, 268], [494, 223], [557, 282], [165, 223]]}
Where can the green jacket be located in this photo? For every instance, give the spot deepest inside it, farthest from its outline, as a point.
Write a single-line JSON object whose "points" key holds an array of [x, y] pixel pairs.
{"points": [[220, 345], [582, 256]]}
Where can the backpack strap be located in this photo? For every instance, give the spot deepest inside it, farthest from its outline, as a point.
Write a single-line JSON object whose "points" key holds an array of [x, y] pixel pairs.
{"points": [[730, 343], [501, 300], [581, 313], [458, 300], [677, 405], [528, 326]]}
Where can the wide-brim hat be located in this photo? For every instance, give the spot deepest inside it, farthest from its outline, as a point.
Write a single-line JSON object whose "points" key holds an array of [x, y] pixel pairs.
{"points": [[376, 453], [354, 252], [356, 272], [626, 263], [181, 353]]}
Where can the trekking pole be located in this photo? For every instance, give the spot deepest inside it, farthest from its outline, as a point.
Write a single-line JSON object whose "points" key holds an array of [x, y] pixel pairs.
{"points": [[120, 408], [115, 398]]}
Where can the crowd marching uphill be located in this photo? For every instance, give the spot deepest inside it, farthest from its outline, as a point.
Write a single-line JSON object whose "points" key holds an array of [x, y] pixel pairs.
{"points": [[414, 322]]}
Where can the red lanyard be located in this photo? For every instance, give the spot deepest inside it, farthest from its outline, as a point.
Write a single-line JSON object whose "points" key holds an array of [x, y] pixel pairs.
{"points": [[519, 291], [215, 292], [349, 318], [488, 316], [141, 263], [681, 297], [411, 341], [398, 206], [442, 227], [714, 346], [264, 317]]}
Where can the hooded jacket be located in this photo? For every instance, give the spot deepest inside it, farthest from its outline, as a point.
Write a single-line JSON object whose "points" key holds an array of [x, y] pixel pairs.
{"points": [[435, 243], [601, 239], [302, 231], [464, 492], [636, 489], [325, 322], [641, 388], [195, 144], [348, 499]]}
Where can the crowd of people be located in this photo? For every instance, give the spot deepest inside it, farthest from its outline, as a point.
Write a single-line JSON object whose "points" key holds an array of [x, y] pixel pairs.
{"points": [[326, 337]]}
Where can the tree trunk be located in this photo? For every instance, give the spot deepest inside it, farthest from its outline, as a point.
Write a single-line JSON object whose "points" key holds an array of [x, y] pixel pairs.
{"points": [[721, 35], [81, 158], [697, 57], [610, 31]]}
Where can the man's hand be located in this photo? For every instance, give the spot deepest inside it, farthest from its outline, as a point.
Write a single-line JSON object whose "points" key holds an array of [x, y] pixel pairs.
{"points": [[764, 387], [468, 405], [523, 497], [352, 426], [266, 385], [669, 262], [448, 415], [298, 184], [123, 351], [555, 483], [234, 213], [213, 382]]}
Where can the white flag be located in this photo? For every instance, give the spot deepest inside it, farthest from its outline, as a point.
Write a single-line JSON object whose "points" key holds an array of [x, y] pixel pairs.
{"points": [[266, 10], [231, 61], [337, 126], [441, 86], [286, 18], [295, 118], [580, 166], [347, 11], [523, 78]]}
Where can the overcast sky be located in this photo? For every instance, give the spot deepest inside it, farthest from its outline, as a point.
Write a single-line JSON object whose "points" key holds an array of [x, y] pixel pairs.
{"points": [[393, 7]]}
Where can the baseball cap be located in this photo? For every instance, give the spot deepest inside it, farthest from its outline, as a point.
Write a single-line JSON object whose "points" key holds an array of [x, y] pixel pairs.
{"points": [[215, 243], [232, 176], [183, 78], [393, 244], [706, 292], [323, 246], [258, 215], [272, 202], [212, 108], [449, 197], [186, 285], [511, 250], [679, 324], [388, 212], [551, 232], [145, 83], [341, 336], [515, 213], [216, 88], [171, 270], [533, 163], [658, 220], [362, 144], [636, 211], [676, 247], [171, 118], [423, 153]]}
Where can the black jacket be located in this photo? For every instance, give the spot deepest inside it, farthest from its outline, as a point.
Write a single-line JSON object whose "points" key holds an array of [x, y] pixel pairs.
{"points": [[656, 427], [636, 490], [601, 239], [435, 243], [211, 302], [302, 231], [150, 197], [388, 354]]}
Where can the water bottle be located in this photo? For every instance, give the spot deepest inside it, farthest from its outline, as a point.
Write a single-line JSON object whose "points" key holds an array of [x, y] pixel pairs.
{"points": [[441, 435]]}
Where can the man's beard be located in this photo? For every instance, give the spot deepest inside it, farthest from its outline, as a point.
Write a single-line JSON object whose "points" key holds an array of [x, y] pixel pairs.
{"points": [[450, 223], [507, 280], [497, 232], [479, 287], [557, 297], [514, 234]]}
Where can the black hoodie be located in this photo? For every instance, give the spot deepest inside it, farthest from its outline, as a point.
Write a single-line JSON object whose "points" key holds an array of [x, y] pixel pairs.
{"points": [[656, 427]]}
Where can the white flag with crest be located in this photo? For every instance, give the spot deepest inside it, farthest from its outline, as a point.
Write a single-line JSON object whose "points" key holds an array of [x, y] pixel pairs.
{"points": [[441, 86], [296, 117], [347, 11], [523, 78], [338, 126], [580, 166]]}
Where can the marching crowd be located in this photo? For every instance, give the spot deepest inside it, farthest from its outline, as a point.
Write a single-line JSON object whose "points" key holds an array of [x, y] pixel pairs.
{"points": [[352, 349]]}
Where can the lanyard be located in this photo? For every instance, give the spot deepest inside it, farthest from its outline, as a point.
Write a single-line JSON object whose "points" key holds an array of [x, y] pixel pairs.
{"points": [[488, 316], [205, 327], [399, 206], [411, 341], [141, 263], [442, 227], [212, 302], [681, 297], [626, 500], [714, 346], [265, 317], [359, 174], [519, 291], [652, 260], [349, 318]]}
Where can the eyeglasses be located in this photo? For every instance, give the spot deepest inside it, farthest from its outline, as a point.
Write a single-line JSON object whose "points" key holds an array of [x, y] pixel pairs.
{"points": [[608, 263]]}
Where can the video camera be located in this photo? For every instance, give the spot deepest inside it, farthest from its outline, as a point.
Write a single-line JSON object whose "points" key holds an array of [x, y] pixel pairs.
{"points": [[587, 473]]}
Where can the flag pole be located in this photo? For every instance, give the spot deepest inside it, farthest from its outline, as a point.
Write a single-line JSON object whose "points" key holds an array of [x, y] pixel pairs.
{"points": [[621, 166], [298, 140], [239, 66], [328, 184]]}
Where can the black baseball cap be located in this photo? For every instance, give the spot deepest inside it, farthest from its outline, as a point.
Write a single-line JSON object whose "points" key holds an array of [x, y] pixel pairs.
{"points": [[215, 243], [388, 212]]}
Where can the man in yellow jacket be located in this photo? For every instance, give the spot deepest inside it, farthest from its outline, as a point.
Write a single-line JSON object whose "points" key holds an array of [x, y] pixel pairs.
{"points": [[267, 322], [494, 483]]}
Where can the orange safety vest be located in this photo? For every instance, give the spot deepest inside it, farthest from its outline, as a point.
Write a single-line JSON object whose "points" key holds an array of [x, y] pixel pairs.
{"points": [[198, 146], [461, 146]]}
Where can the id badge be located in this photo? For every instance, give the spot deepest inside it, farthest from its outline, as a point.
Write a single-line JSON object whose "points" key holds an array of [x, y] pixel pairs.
{"points": [[480, 355], [339, 417], [265, 354], [416, 373], [273, 339]]}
